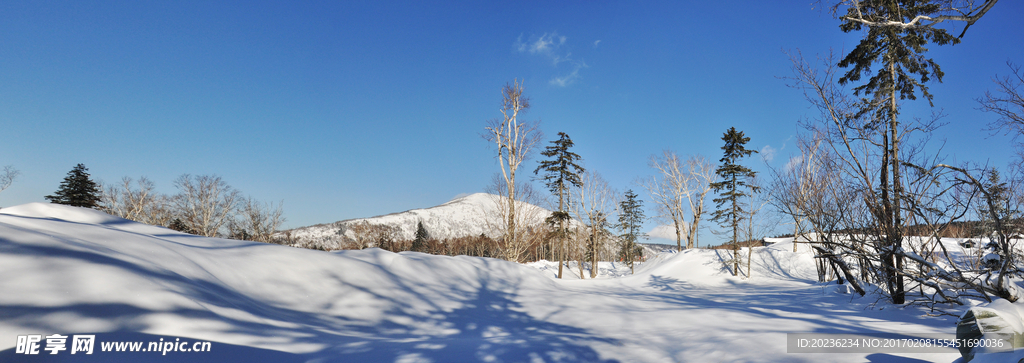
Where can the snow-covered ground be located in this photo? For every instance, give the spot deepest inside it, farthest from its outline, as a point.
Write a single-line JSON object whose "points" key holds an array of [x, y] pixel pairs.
{"points": [[73, 271]]}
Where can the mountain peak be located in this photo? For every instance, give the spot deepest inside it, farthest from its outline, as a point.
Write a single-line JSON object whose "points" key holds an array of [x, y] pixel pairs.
{"points": [[465, 215]]}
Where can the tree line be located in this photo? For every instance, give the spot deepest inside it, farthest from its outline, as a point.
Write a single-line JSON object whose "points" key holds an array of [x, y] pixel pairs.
{"points": [[580, 220], [204, 205]]}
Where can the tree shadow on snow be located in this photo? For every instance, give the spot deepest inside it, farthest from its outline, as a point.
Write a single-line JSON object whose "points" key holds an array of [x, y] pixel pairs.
{"points": [[179, 349], [488, 325]]}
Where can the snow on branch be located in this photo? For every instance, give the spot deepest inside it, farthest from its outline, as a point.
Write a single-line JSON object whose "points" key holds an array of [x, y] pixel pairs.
{"points": [[966, 11]]}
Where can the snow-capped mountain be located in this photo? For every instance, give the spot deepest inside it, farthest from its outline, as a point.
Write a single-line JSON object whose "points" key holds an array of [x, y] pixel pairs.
{"points": [[471, 215]]}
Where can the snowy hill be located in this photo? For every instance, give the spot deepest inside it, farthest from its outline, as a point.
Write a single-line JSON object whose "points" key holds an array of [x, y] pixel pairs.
{"points": [[471, 215], [76, 272]]}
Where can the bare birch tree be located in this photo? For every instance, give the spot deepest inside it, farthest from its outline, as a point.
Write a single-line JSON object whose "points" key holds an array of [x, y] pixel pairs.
{"points": [[758, 222], [681, 186], [140, 203], [701, 173], [258, 220], [526, 217], [7, 177], [595, 202], [793, 184], [205, 203], [667, 190], [515, 141]]}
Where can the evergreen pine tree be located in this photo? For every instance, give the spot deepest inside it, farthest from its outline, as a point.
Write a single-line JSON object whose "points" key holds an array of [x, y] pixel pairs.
{"points": [[419, 244], [560, 172], [902, 70], [77, 190], [631, 219], [733, 180]]}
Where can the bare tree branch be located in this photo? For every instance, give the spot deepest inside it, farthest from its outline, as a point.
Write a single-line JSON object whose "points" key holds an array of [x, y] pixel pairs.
{"points": [[7, 177]]}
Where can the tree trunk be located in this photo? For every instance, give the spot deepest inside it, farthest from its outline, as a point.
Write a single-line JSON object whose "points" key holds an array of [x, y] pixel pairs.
{"points": [[842, 266], [679, 237], [594, 255], [750, 253], [796, 230], [897, 188], [735, 231]]}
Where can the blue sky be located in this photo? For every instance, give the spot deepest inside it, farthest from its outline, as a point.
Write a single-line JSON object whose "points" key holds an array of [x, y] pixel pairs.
{"points": [[346, 109]]}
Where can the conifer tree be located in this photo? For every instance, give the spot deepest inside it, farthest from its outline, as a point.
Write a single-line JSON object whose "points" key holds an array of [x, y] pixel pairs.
{"points": [[419, 244], [77, 190], [560, 172], [631, 219], [731, 187], [895, 40]]}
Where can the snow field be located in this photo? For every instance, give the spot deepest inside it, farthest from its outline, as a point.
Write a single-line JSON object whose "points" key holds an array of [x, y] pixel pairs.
{"points": [[67, 270]]}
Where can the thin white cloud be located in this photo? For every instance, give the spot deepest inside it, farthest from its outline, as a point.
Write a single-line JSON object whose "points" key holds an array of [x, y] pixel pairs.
{"points": [[569, 78], [520, 46], [550, 46], [768, 153], [596, 42], [559, 59], [546, 44]]}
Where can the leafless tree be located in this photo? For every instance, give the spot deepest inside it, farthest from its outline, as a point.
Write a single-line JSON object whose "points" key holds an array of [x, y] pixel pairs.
{"points": [[140, 203], [520, 213], [793, 185], [205, 203], [1007, 102], [812, 189], [759, 223], [362, 235], [681, 186], [7, 177], [595, 202], [515, 141], [258, 221], [385, 236], [666, 189], [702, 173]]}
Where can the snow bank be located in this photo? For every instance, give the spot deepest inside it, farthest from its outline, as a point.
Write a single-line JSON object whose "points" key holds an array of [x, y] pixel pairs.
{"points": [[70, 270], [67, 270]]}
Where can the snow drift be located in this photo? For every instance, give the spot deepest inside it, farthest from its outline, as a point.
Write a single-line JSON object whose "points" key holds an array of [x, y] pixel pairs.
{"points": [[66, 270]]}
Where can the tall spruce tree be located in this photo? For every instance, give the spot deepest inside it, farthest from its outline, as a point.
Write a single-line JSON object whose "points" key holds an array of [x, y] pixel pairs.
{"points": [[560, 172], [631, 219], [734, 179], [903, 70], [77, 190]]}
